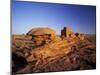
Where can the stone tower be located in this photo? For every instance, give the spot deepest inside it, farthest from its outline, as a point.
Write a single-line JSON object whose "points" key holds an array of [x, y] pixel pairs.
{"points": [[66, 32]]}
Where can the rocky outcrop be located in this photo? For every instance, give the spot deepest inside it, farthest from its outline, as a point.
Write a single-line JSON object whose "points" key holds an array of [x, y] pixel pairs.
{"points": [[47, 52], [41, 36]]}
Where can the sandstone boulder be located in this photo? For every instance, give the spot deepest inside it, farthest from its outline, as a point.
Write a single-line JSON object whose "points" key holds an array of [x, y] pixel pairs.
{"points": [[41, 31], [41, 36]]}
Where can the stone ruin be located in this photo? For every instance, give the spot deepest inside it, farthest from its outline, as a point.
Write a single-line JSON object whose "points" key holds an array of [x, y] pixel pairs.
{"points": [[52, 54], [66, 32], [42, 36]]}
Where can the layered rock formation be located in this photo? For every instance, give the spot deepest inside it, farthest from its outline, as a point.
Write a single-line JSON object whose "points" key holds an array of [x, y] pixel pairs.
{"points": [[47, 52], [42, 35]]}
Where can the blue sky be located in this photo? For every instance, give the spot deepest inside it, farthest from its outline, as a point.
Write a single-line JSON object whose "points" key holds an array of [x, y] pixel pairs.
{"points": [[28, 15]]}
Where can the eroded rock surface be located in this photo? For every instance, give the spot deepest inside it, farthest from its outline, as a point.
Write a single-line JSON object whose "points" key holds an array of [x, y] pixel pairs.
{"points": [[55, 54]]}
